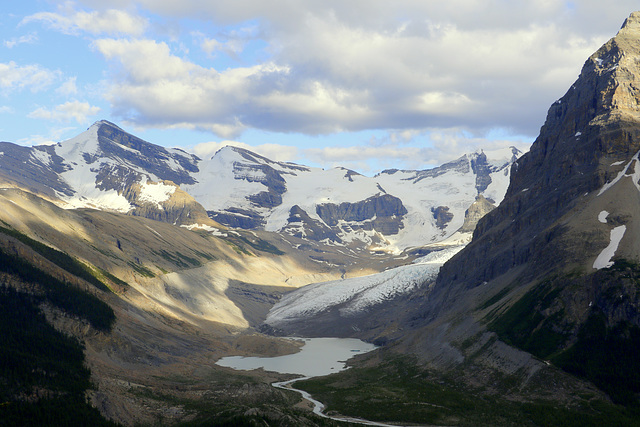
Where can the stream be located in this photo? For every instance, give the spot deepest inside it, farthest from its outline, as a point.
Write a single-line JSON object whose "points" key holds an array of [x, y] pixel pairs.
{"points": [[318, 357]]}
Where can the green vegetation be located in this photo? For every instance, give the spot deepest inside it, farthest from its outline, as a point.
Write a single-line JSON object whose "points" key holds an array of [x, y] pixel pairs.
{"points": [[141, 269], [603, 349], [607, 356], [42, 372], [238, 248], [245, 401], [61, 294], [113, 278], [398, 391], [494, 299], [61, 259], [261, 245], [179, 259], [237, 242], [524, 326]]}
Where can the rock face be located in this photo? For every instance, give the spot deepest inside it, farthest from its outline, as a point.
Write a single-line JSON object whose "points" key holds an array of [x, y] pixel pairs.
{"points": [[476, 211], [590, 135], [381, 212], [550, 269]]}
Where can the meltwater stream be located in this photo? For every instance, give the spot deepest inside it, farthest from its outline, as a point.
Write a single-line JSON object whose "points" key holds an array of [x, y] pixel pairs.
{"points": [[318, 357]]}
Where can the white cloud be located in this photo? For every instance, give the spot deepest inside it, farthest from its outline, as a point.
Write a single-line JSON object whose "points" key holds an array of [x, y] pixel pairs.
{"points": [[71, 110], [54, 136], [68, 87], [17, 77], [111, 21], [230, 47], [27, 39], [429, 149], [349, 66]]}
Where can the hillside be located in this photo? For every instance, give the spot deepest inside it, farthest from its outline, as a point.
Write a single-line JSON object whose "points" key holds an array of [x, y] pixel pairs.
{"points": [[550, 279]]}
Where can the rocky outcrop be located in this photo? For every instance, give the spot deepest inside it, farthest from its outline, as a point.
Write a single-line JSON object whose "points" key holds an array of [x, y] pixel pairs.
{"points": [[301, 225], [34, 169], [383, 211], [238, 218], [177, 207], [476, 211], [442, 216]]}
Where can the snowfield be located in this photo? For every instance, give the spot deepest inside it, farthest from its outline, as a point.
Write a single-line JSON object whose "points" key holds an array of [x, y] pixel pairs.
{"points": [[357, 294]]}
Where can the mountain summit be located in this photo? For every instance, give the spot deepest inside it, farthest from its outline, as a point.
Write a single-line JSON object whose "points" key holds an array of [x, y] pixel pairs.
{"points": [[109, 169], [591, 136], [554, 269]]}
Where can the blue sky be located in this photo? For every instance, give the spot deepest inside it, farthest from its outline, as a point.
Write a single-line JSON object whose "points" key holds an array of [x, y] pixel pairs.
{"points": [[364, 84]]}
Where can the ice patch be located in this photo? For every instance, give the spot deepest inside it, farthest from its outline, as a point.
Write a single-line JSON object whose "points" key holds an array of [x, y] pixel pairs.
{"points": [[214, 231], [604, 259], [602, 217], [635, 175], [155, 193], [617, 163]]}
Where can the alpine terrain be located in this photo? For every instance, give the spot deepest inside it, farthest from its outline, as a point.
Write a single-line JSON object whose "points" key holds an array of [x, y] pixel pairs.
{"points": [[501, 288], [541, 310]]}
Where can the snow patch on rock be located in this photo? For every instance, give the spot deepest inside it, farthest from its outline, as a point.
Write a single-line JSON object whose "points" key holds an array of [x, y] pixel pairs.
{"points": [[155, 192], [604, 259]]}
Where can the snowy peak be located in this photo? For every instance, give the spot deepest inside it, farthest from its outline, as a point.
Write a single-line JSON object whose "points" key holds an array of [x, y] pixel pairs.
{"points": [[108, 168]]}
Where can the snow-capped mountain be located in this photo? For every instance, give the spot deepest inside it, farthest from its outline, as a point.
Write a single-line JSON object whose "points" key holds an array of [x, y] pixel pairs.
{"points": [[107, 168], [394, 209]]}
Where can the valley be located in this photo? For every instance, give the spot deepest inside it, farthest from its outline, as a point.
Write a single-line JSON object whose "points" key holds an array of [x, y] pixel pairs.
{"points": [[501, 288]]}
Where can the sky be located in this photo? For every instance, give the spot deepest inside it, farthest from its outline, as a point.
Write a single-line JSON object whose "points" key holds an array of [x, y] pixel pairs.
{"points": [[364, 84]]}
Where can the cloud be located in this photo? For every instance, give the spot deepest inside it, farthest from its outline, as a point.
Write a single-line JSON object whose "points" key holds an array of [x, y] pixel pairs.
{"points": [[71, 110], [14, 41], [111, 21], [349, 66], [17, 77], [410, 150], [53, 137], [446, 73], [68, 87]]}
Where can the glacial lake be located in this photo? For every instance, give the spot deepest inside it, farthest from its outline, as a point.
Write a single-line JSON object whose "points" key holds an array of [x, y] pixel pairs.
{"points": [[318, 356]]}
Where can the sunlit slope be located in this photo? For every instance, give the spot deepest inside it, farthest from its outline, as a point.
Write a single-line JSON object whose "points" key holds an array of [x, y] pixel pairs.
{"points": [[190, 276]]}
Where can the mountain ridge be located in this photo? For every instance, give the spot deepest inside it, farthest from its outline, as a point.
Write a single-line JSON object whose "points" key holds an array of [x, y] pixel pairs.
{"points": [[108, 168]]}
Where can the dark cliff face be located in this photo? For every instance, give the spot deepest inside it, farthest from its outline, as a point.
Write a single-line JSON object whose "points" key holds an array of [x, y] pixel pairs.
{"points": [[115, 143], [384, 212], [21, 165], [594, 125]]}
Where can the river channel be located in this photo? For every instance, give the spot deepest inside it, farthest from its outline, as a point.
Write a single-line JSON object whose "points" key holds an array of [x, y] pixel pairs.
{"points": [[318, 357]]}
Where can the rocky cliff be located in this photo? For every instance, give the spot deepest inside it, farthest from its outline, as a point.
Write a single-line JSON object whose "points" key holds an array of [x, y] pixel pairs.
{"points": [[553, 270], [590, 136]]}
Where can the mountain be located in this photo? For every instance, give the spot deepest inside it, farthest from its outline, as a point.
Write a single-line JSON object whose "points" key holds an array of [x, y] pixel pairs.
{"points": [[392, 211], [544, 302], [553, 271], [107, 168], [534, 322]]}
